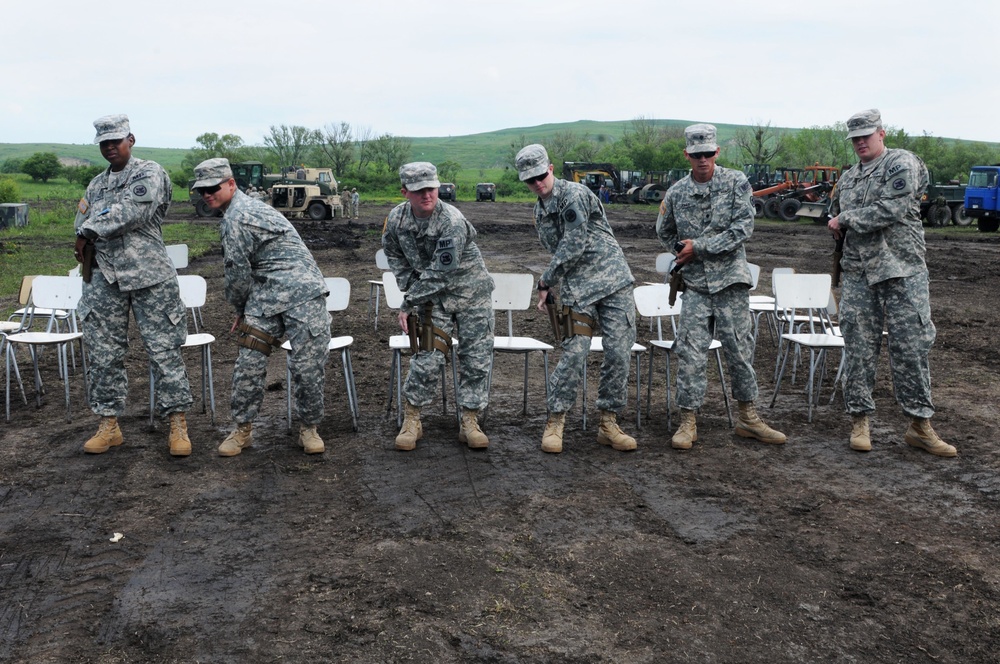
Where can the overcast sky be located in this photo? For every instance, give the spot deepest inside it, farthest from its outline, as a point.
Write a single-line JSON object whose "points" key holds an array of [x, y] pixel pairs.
{"points": [[456, 67]]}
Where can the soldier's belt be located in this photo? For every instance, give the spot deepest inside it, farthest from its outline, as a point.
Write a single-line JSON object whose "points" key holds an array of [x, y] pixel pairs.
{"points": [[255, 339], [574, 323]]}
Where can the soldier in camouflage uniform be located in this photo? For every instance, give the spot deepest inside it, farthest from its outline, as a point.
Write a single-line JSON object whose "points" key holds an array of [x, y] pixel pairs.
{"points": [[432, 250], [355, 202], [594, 280], [885, 282], [120, 214], [275, 286], [711, 213]]}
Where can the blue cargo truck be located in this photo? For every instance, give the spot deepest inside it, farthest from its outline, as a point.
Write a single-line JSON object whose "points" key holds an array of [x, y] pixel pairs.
{"points": [[981, 197]]}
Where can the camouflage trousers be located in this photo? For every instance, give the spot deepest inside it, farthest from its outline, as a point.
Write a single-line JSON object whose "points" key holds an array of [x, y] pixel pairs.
{"points": [[903, 307], [726, 316], [615, 315], [162, 321], [308, 328], [473, 327]]}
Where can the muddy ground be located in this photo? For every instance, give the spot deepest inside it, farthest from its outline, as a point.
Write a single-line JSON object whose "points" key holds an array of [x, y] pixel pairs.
{"points": [[731, 552]]}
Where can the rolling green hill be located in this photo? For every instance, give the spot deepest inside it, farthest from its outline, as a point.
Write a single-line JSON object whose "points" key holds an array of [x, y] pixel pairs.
{"points": [[484, 150]]}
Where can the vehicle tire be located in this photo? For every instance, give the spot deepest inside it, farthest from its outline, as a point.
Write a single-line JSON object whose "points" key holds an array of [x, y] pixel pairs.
{"points": [[201, 207], [316, 211], [771, 207], [789, 209], [959, 217], [758, 206], [493, 198], [938, 215], [988, 225]]}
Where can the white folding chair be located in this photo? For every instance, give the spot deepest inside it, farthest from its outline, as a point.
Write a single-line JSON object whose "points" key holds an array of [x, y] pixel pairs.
{"points": [[654, 301], [24, 317], [194, 290], [375, 285], [338, 300], [810, 293], [400, 342], [763, 305], [53, 293], [514, 292]]}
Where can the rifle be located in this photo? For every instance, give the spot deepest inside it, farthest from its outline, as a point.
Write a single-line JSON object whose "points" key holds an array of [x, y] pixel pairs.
{"points": [[838, 253], [413, 330], [676, 283], [550, 304], [87, 266]]}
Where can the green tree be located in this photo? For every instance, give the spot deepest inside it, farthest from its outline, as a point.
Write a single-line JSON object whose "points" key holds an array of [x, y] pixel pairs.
{"points": [[81, 174], [11, 165], [9, 191], [336, 145], [448, 170], [758, 142], [42, 166], [291, 145]]}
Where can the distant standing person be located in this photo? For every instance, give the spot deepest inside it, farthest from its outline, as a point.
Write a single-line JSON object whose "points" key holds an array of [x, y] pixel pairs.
{"points": [[595, 282], [432, 250], [276, 288], [120, 214], [885, 284], [710, 212], [355, 202]]}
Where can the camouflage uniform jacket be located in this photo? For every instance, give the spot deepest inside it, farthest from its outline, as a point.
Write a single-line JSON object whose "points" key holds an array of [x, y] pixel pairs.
{"points": [[436, 259], [719, 218], [124, 220], [587, 262], [269, 269], [880, 208]]}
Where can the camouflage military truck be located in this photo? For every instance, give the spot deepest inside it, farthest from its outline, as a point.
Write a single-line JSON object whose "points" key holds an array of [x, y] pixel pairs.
{"points": [[446, 192], [486, 191], [299, 200]]}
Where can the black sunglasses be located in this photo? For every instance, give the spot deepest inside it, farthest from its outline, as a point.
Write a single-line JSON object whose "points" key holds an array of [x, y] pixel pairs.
{"points": [[209, 190], [537, 178], [702, 155]]}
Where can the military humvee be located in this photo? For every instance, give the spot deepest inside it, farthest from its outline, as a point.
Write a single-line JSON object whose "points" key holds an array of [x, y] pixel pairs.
{"points": [[486, 191]]}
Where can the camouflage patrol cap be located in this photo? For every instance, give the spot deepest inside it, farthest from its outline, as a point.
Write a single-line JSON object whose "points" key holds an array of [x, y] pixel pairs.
{"points": [[418, 175], [111, 128], [864, 123], [700, 138], [531, 161], [212, 172]]}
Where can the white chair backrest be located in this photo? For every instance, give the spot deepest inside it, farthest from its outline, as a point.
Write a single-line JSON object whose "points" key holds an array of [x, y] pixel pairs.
{"points": [[340, 293], [653, 301], [664, 262], [511, 291], [178, 254], [803, 291], [381, 262], [393, 295], [193, 290], [754, 275], [56, 292], [76, 271]]}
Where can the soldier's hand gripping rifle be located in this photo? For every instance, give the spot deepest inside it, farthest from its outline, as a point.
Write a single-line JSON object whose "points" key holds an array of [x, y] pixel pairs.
{"points": [[424, 335], [676, 278], [567, 323]]}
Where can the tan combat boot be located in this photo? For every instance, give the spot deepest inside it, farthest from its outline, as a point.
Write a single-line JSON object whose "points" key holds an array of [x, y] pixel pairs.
{"points": [[687, 432], [411, 430], [469, 432], [861, 439], [309, 440], [553, 435], [921, 434], [237, 440], [609, 433], [749, 425], [108, 435], [180, 444]]}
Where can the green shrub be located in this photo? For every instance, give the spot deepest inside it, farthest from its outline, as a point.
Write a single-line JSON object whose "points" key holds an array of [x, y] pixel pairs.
{"points": [[9, 191]]}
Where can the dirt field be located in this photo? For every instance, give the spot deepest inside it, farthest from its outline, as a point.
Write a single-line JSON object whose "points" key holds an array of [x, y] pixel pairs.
{"points": [[732, 552]]}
